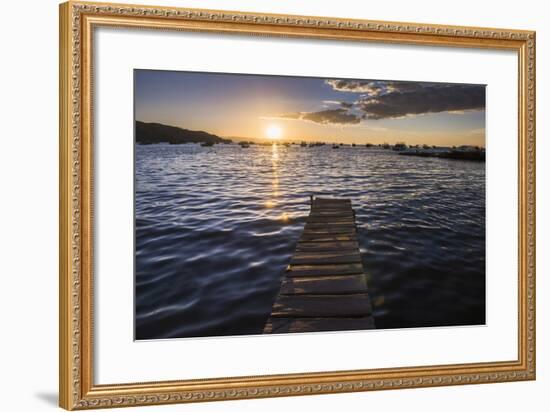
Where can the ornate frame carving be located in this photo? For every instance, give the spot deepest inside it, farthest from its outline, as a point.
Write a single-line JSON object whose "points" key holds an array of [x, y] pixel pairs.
{"points": [[77, 21]]}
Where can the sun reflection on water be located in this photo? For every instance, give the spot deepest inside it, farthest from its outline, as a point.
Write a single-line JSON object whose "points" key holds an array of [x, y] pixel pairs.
{"points": [[275, 179], [421, 229]]}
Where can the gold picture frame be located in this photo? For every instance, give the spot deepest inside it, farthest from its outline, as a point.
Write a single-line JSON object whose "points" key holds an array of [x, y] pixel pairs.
{"points": [[76, 385]]}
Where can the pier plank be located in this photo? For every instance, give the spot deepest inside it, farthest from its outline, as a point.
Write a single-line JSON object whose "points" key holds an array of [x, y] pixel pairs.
{"points": [[344, 220], [308, 231], [322, 306], [335, 207], [325, 286], [290, 325], [331, 205], [330, 220], [324, 270], [326, 246], [331, 213], [327, 237], [329, 225], [319, 201], [323, 258]]}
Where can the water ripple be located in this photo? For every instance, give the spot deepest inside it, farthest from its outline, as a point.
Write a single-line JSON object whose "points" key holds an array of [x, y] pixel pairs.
{"points": [[215, 228]]}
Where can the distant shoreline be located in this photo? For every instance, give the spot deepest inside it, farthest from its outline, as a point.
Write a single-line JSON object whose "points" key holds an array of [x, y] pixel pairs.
{"points": [[158, 133], [153, 133], [469, 153]]}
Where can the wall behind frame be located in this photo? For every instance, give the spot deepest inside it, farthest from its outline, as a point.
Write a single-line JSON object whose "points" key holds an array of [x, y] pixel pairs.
{"points": [[29, 190]]}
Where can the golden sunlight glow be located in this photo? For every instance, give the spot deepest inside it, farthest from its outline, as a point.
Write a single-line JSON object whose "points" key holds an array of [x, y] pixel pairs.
{"points": [[273, 132]]}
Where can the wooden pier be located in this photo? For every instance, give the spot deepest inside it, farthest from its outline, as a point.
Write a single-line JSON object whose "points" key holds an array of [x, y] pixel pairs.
{"points": [[325, 286]]}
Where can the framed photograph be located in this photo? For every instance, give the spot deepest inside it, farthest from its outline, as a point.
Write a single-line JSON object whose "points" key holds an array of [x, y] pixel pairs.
{"points": [[258, 205]]}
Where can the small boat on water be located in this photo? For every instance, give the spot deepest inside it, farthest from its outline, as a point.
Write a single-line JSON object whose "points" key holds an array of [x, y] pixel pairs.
{"points": [[244, 144], [303, 144], [399, 146], [335, 146], [353, 145], [207, 144], [458, 153]]}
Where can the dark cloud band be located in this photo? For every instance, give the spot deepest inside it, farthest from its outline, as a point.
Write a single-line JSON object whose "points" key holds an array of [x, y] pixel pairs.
{"points": [[333, 116], [388, 99], [422, 101]]}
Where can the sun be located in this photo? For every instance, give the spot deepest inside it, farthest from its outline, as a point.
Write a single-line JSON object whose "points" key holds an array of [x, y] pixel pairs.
{"points": [[273, 132]]}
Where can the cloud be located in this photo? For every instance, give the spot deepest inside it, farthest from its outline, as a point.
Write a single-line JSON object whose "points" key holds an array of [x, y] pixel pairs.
{"points": [[373, 88], [377, 99], [475, 132], [345, 105], [293, 116], [332, 116], [389, 99]]}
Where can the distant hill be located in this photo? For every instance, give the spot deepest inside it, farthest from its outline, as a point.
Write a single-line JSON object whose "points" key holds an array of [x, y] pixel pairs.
{"points": [[151, 133]]}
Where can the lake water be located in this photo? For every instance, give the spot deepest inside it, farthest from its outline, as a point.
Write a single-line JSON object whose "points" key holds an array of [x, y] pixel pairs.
{"points": [[216, 227]]}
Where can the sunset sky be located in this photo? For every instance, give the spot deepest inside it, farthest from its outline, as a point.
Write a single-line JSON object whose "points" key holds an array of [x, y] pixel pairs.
{"points": [[302, 108]]}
